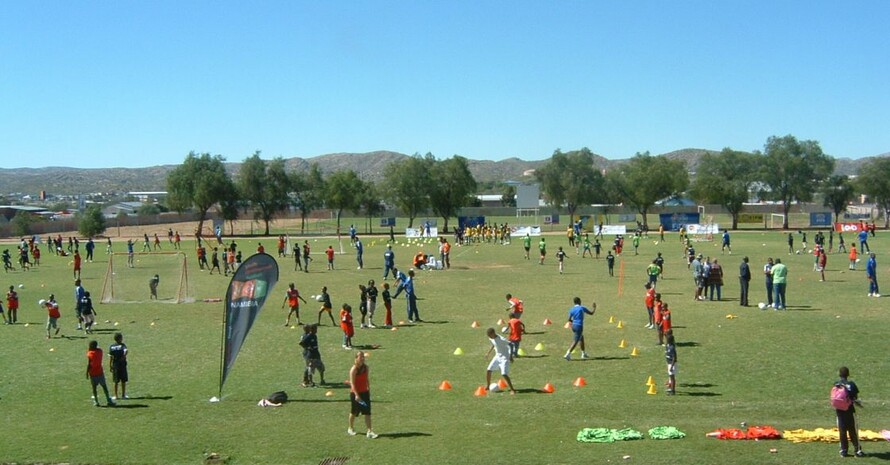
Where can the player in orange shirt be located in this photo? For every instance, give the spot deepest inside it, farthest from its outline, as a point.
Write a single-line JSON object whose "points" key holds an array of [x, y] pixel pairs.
{"points": [[656, 318], [292, 298], [517, 329], [853, 256], [77, 265], [346, 326], [650, 304], [514, 306]]}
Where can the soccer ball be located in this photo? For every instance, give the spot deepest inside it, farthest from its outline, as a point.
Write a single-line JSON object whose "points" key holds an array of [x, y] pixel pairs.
{"points": [[21, 286], [761, 305], [319, 298], [494, 387], [798, 252], [41, 302], [505, 329]]}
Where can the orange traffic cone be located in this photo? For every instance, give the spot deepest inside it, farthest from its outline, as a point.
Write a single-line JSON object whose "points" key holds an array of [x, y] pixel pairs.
{"points": [[445, 386], [475, 324], [634, 352], [549, 388], [650, 381], [502, 384], [622, 344], [652, 389], [580, 382], [481, 392], [620, 324], [547, 322]]}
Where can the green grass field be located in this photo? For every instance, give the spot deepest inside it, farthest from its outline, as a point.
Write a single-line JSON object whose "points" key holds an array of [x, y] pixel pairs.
{"points": [[762, 368]]}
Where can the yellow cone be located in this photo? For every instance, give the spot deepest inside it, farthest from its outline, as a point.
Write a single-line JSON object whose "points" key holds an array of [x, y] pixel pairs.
{"points": [[650, 381], [652, 389], [458, 351], [539, 347], [521, 352], [620, 325], [611, 319], [622, 344], [634, 352]]}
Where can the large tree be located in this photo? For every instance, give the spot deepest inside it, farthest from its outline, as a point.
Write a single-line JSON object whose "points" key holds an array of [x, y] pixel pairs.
{"points": [[452, 188], [265, 186], [874, 181], [645, 179], [199, 182], [407, 184], [725, 179], [91, 222], [344, 192], [792, 170], [571, 180], [371, 202], [308, 192], [837, 192]]}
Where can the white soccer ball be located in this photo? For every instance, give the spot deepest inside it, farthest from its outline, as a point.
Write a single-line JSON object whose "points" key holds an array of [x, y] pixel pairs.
{"points": [[505, 329], [22, 285], [857, 261], [494, 387], [41, 302], [798, 252], [319, 298], [761, 305]]}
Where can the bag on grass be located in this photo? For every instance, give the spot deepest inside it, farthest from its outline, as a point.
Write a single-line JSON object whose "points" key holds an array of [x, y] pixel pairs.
{"points": [[279, 397], [840, 397]]}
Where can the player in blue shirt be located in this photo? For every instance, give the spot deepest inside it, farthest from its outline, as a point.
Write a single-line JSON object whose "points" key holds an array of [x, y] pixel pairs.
{"points": [[576, 317]]}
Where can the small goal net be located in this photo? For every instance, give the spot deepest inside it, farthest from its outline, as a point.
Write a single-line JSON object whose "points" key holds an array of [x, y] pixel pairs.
{"points": [[772, 220], [128, 279]]}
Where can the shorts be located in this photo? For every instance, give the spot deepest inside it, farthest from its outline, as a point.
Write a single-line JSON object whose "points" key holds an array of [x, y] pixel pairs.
{"points": [[52, 323], [359, 408], [672, 369], [315, 364], [119, 374], [577, 333], [97, 381], [501, 363]]}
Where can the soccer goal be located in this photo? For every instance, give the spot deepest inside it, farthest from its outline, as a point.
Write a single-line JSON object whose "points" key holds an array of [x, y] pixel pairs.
{"points": [[128, 281], [772, 220]]}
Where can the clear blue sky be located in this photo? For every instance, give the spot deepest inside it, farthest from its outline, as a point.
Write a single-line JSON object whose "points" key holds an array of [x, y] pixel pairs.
{"points": [[124, 83]]}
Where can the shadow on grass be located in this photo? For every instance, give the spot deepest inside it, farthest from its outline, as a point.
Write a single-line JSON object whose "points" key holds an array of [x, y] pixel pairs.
{"points": [[600, 358], [697, 385], [532, 356], [688, 344], [407, 434], [126, 406], [73, 337], [431, 322], [317, 401], [802, 308], [152, 398], [531, 333], [878, 455], [367, 346], [701, 394]]}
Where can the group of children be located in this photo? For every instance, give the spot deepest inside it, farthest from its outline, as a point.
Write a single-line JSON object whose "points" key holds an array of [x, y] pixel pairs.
{"points": [[660, 320]]}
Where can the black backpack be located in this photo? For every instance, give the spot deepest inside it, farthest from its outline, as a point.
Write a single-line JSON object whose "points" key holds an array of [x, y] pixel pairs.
{"points": [[279, 397]]}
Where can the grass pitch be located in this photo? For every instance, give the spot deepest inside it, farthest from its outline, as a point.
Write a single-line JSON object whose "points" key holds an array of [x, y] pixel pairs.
{"points": [[762, 367]]}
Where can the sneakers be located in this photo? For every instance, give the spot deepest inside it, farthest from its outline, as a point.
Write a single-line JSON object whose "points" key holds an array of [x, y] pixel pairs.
{"points": [[876, 295], [350, 432], [371, 435], [584, 355], [568, 356], [859, 453]]}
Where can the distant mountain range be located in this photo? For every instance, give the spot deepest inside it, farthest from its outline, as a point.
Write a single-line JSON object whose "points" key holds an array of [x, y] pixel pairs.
{"points": [[369, 166]]}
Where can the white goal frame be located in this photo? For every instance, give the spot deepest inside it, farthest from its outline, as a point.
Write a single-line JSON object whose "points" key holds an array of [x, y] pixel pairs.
{"points": [[772, 220], [182, 292]]}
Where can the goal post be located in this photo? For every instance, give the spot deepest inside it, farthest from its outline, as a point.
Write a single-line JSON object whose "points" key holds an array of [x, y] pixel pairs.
{"points": [[127, 281], [772, 220]]}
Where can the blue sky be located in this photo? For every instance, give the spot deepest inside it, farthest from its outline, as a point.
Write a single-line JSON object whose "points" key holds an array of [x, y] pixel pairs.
{"points": [[104, 84]]}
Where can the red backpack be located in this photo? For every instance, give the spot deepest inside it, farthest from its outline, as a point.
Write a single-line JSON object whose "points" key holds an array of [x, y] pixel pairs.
{"points": [[840, 397]]}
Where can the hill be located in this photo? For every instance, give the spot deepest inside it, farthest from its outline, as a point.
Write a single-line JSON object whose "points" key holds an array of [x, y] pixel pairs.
{"points": [[370, 166]]}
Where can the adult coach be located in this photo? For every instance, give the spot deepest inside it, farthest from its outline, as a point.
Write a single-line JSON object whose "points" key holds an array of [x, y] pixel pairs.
{"points": [[406, 283], [576, 318], [779, 273], [744, 281], [360, 394]]}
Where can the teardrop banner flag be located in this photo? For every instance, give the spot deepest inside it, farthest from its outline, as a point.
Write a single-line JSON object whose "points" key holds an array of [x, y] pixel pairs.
{"points": [[251, 284]]}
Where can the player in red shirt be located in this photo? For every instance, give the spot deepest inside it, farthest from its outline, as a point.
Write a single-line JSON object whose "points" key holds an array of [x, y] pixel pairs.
{"points": [[96, 373], [517, 329], [52, 309], [656, 318], [650, 304], [77, 263], [292, 298]]}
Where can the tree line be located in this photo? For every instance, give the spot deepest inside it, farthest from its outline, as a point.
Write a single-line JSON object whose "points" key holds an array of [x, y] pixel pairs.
{"points": [[788, 170]]}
